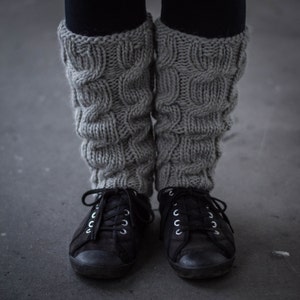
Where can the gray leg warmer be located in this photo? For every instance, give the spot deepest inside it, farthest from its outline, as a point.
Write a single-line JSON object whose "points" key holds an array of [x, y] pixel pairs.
{"points": [[196, 91], [110, 82]]}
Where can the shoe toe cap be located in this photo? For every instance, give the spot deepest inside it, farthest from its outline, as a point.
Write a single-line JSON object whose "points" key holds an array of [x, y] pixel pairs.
{"points": [[98, 258], [197, 259]]}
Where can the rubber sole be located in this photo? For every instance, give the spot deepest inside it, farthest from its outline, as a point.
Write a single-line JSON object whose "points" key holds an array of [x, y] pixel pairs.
{"points": [[100, 272], [203, 273]]}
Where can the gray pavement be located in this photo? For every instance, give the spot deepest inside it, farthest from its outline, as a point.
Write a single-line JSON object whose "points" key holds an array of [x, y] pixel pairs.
{"points": [[42, 175]]}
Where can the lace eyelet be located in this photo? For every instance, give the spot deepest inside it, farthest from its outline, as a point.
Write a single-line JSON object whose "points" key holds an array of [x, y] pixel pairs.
{"points": [[91, 224], [178, 232], [123, 231], [126, 212], [216, 232], [171, 193], [175, 213], [210, 215], [88, 231], [176, 223], [175, 204], [213, 224], [124, 222], [97, 206], [94, 215]]}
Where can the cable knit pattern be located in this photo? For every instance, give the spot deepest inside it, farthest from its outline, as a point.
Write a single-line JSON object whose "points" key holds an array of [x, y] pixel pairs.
{"points": [[196, 91], [110, 82]]}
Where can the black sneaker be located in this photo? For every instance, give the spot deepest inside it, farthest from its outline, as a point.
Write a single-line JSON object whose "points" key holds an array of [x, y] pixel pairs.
{"points": [[106, 243], [197, 234]]}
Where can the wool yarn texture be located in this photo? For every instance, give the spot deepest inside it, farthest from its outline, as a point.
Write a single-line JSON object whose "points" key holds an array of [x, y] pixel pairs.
{"points": [[196, 90], [111, 91]]}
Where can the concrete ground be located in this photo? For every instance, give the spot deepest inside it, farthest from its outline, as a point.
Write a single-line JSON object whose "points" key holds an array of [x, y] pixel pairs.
{"points": [[42, 176]]}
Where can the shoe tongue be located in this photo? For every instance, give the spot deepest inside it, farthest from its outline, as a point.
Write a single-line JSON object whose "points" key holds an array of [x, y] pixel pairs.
{"points": [[196, 208], [114, 203], [114, 199]]}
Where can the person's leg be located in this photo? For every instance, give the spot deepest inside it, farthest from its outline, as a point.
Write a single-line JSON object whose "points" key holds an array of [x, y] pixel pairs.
{"points": [[111, 92], [102, 17], [206, 18], [200, 57]]}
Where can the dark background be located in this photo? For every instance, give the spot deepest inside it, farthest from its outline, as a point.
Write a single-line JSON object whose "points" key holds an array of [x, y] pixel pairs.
{"points": [[42, 175]]}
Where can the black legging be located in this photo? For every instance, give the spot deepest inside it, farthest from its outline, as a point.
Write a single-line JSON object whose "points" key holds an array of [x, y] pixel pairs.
{"points": [[207, 18]]}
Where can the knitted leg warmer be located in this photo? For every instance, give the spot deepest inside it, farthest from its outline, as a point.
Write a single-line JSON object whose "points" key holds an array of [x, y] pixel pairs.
{"points": [[111, 91], [196, 91]]}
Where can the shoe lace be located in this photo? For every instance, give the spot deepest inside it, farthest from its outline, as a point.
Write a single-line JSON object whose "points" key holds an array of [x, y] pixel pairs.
{"points": [[196, 210], [106, 212]]}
